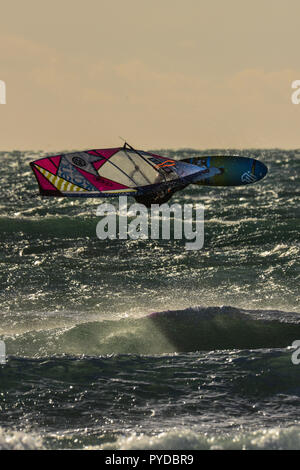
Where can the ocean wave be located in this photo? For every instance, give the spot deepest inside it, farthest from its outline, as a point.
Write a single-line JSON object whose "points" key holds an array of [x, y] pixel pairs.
{"points": [[263, 439], [277, 438], [19, 440], [189, 330]]}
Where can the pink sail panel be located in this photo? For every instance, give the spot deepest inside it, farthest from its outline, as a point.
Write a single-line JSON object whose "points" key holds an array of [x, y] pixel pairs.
{"points": [[107, 153], [102, 184], [47, 164], [56, 160], [93, 152]]}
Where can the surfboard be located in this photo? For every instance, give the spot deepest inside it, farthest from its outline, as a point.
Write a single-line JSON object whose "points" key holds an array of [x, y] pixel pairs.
{"points": [[234, 171]]}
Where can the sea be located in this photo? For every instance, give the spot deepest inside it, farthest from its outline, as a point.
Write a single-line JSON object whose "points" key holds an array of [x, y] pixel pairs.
{"points": [[143, 344]]}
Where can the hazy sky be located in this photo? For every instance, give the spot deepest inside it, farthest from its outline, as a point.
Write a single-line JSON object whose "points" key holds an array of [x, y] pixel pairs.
{"points": [[161, 73]]}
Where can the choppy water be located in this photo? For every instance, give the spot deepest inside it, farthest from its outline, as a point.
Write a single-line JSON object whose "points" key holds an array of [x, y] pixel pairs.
{"points": [[89, 366]]}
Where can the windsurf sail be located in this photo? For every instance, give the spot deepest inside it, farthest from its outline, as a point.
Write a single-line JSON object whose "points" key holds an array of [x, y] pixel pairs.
{"points": [[113, 172]]}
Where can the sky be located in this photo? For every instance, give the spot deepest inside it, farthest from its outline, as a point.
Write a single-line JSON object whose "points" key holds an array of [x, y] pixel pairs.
{"points": [[162, 74]]}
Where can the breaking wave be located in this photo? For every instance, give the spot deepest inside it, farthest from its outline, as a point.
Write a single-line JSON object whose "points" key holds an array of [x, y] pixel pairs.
{"points": [[262, 439], [19, 440], [189, 330]]}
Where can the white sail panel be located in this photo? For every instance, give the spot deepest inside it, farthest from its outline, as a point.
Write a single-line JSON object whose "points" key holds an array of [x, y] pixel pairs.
{"points": [[131, 169]]}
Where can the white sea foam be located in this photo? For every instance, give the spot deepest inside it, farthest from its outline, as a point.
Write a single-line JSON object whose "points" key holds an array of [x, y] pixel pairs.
{"points": [[273, 438], [18, 440]]}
